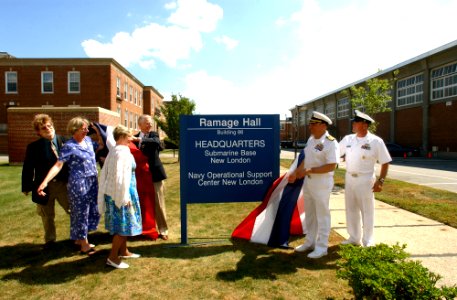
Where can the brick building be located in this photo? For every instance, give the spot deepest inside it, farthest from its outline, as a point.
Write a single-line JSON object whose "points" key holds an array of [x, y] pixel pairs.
{"points": [[423, 107], [71, 83]]}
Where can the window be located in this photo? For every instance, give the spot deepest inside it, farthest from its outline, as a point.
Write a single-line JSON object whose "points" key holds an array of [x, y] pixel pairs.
{"points": [[74, 85], [136, 97], [131, 93], [126, 118], [11, 82], [118, 87], [410, 90], [444, 82], [329, 110], [343, 108], [47, 82], [140, 103], [126, 90]]}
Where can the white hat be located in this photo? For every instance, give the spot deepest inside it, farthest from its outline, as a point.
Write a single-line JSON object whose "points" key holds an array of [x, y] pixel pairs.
{"points": [[320, 118], [362, 117]]}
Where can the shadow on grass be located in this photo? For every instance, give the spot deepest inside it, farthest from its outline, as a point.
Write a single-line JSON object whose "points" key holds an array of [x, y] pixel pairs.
{"points": [[52, 265], [263, 262]]}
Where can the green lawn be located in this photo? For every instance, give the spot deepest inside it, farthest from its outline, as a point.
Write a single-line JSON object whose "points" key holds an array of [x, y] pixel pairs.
{"points": [[212, 267]]}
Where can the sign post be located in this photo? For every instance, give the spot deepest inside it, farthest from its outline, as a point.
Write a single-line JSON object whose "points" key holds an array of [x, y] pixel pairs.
{"points": [[226, 158]]}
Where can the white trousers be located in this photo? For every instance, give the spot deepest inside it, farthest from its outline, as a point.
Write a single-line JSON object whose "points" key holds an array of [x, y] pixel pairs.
{"points": [[316, 191], [359, 200]]}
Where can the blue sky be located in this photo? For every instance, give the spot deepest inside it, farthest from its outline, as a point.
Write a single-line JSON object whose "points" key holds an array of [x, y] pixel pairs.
{"points": [[233, 56]]}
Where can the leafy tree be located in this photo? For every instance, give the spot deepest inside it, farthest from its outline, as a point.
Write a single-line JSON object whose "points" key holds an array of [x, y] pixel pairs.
{"points": [[171, 111], [373, 97]]}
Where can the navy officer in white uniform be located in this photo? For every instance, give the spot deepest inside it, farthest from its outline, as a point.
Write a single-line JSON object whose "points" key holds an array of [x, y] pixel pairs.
{"points": [[321, 158], [362, 150]]}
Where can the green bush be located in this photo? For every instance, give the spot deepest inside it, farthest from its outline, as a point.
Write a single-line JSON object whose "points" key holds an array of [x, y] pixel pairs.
{"points": [[385, 272]]}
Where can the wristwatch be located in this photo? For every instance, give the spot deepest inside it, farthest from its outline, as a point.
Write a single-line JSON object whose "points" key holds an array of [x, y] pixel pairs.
{"points": [[381, 180]]}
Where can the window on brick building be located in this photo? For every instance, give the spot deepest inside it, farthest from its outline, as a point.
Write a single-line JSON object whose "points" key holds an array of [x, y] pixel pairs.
{"points": [[136, 97], [74, 83], [444, 82], [11, 82], [329, 110], [410, 90], [131, 93], [47, 82], [343, 108], [126, 118], [118, 87], [126, 90]]}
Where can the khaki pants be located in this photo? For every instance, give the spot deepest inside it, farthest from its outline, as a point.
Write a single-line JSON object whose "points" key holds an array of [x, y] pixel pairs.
{"points": [[159, 208], [57, 191]]}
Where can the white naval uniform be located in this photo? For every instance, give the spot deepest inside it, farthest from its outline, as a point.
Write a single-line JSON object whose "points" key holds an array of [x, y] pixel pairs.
{"points": [[317, 189], [361, 154]]}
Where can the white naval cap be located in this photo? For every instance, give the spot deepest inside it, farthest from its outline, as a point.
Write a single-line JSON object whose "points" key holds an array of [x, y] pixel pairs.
{"points": [[362, 117], [320, 118]]}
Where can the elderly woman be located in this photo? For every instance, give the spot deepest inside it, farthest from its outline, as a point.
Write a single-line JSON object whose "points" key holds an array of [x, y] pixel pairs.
{"points": [[78, 153], [118, 197]]}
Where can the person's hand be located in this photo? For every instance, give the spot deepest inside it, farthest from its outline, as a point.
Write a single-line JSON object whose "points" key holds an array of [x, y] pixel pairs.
{"points": [[377, 187], [292, 177], [41, 188]]}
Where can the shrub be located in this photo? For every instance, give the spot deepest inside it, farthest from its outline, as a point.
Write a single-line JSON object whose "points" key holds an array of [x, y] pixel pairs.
{"points": [[385, 272]]}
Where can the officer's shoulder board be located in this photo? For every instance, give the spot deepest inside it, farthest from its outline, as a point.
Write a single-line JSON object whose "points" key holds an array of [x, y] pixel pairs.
{"points": [[331, 138]]}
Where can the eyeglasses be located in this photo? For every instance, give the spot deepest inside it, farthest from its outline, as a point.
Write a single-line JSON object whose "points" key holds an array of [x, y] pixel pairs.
{"points": [[46, 127], [84, 129]]}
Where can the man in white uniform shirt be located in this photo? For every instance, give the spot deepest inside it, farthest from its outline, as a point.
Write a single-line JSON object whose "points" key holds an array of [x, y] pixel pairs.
{"points": [[321, 158], [361, 151]]}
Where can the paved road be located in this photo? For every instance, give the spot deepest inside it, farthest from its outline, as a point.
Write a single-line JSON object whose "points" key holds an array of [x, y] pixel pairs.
{"points": [[436, 173]]}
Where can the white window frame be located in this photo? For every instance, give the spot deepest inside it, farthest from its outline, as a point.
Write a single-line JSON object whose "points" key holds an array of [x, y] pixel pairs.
{"points": [[10, 81], [126, 90], [126, 118], [410, 90], [118, 87], [443, 82], [329, 110], [74, 81], [343, 108], [47, 81]]}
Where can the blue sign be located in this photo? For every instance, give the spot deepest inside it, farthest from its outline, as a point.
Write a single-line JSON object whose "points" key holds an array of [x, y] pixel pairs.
{"points": [[228, 158]]}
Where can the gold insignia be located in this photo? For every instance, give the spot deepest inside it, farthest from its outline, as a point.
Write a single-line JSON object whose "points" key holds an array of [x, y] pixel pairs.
{"points": [[331, 138]]}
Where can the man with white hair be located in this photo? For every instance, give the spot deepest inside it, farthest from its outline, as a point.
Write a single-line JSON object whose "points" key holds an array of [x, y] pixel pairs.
{"points": [[321, 159], [362, 150]]}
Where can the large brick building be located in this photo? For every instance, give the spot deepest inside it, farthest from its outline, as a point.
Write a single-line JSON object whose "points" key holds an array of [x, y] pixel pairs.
{"points": [[71, 83], [423, 107]]}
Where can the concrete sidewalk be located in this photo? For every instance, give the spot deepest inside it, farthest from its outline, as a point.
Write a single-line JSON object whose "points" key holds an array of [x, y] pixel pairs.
{"points": [[431, 242]]}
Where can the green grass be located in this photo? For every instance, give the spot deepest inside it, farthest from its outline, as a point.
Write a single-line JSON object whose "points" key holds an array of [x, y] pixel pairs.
{"points": [[211, 267], [438, 205]]}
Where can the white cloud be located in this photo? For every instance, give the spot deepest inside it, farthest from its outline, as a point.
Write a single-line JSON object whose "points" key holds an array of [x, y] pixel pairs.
{"points": [[199, 15], [228, 42], [152, 42]]}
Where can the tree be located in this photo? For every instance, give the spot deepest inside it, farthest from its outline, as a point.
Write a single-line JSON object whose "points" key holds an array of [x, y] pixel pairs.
{"points": [[373, 97], [171, 111]]}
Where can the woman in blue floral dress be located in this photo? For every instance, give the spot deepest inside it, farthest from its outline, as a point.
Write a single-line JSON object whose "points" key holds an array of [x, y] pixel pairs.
{"points": [[79, 154], [118, 198]]}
